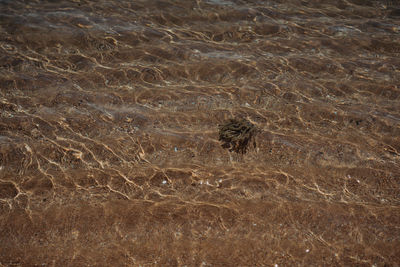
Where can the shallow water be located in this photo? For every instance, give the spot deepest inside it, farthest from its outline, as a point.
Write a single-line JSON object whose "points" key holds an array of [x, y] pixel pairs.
{"points": [[109, 151]]}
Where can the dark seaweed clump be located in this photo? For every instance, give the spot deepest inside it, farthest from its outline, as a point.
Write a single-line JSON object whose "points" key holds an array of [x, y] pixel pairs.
{"points": [[236, 135]]}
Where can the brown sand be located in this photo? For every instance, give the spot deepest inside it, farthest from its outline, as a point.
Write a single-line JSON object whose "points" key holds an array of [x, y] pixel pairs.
{"points": [[109, 151]]}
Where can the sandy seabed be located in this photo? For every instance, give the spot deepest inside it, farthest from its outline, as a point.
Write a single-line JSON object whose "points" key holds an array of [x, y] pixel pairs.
{"points": [[110, 112]]}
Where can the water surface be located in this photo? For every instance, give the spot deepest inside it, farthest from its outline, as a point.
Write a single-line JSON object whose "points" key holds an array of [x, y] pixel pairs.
{"points": [[109, 151]]}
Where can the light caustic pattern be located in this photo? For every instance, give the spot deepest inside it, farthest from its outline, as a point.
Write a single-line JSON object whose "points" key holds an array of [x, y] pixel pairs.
{"points": [[109, 151]]}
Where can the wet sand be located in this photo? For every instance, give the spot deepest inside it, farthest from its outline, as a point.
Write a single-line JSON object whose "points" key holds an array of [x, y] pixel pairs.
{"points": [[109, 150]]}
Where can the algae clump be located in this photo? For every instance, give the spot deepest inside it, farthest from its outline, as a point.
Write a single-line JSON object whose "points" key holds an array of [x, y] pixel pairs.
{"points": [[236, 135]]}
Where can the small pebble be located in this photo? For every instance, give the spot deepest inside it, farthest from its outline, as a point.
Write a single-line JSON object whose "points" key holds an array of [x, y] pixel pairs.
{"points": [[164, 182]]}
